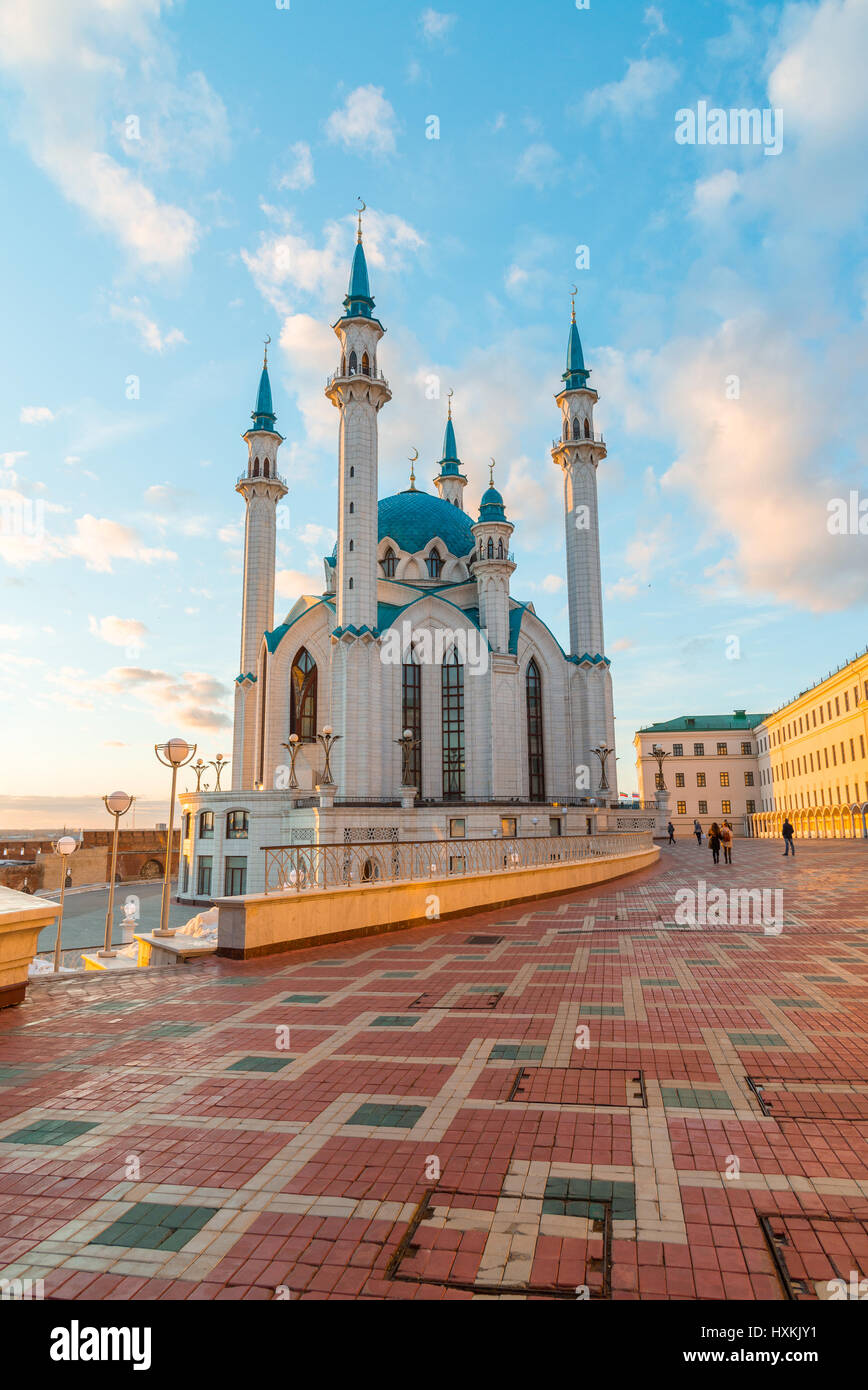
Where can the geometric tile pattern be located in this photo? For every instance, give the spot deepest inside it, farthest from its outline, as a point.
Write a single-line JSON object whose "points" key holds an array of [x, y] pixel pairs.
{"points": [[657, 1112]]}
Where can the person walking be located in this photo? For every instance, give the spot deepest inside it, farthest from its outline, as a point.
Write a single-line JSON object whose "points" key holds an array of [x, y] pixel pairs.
{"points": [[697, 830], [671, 829], [714, 842], [726, 841], [788, 833]]}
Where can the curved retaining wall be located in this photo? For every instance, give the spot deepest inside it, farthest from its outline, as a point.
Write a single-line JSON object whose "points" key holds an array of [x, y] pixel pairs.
{"points": [[260, 924]]}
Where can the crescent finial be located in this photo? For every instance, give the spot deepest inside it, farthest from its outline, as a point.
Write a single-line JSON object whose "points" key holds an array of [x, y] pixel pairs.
{"points": [[491, 473], [413, 458], [362, 209], [265, 358]]}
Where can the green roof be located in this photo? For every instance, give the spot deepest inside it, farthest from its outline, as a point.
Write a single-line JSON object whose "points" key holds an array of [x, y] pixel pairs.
{"points": [[696, 723]]}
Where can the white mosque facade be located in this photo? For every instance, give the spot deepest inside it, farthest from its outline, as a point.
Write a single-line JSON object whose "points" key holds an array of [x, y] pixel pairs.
{"points": [[448, 708]]}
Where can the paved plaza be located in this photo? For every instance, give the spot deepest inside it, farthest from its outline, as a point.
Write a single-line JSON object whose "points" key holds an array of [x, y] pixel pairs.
{"points": [[579, 1097]]}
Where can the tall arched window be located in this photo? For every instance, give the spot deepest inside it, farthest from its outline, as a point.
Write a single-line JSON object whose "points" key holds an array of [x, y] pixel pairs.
{"points": [[265, 469], [302, 697], [352, 508], [354, 364], [490, 548], [535, 761], [411, 714], [256, 468], [500, 549], [434, 563], [577, 431], [390, 563], [366, 365], [352, 545], [587, 429], [452, 688]]}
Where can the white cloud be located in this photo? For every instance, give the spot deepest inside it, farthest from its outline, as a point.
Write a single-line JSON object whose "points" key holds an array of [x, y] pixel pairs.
{"points": [[552, 584], [76, 63], [366, 121], [118, 632], [98, 541], [291, 584], [653, 18], [35, 415], [539, 165], [152, 336], [644, 81], [300, 175], [714, 194], [435, 25], [194, 701]]}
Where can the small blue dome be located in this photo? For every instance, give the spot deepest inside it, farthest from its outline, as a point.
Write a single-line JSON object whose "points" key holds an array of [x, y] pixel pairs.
{"points": [[412, 519], [491, 506]]}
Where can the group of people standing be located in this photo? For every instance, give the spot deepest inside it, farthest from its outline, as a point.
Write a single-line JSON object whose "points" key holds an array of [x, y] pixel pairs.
{"points": [[719, 837]]}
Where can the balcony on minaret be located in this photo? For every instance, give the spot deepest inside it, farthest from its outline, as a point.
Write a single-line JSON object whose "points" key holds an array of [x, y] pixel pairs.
{"points": [[263, 477]]}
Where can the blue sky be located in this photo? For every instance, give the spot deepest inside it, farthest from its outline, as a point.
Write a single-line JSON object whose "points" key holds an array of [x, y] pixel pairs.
{"points": [[184, 180]]}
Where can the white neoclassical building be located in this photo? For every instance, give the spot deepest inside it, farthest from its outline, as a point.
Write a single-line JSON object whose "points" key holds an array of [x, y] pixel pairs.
{"points": [[449, 708]]}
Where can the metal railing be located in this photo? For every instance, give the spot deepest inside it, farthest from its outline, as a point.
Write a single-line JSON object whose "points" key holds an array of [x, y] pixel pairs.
{"points": [[300, 868]]}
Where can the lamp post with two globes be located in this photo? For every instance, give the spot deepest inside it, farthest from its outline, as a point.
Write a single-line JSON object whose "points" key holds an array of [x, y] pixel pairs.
{"points": [[174, 754]]}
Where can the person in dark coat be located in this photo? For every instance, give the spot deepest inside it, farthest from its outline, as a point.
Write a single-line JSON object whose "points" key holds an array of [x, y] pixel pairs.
{"points": [[714, 842], [671, 829], [788, 832], [697, 830]]}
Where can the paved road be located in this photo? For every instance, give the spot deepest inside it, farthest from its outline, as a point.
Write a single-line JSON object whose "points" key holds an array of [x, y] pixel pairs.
{"points": [[84, 914]]}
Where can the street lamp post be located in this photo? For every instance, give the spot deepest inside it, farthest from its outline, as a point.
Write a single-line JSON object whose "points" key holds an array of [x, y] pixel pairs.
{"points": [[603, 752], [174, 754], [660, 757], [65, 846], [117, 805], [327, 739]]}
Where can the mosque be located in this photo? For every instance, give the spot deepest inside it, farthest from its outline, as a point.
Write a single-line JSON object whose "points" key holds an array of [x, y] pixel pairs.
{"points": [[416, 697]]}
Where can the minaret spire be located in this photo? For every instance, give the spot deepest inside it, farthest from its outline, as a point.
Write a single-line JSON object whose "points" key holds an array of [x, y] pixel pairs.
{"points": [[450, 481], [578, 454], [262, 489], [358, 390]]}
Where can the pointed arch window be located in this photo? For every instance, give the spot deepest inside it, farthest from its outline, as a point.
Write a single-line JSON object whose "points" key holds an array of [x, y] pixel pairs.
{"points": [[302, 696], [256, 468], [265, 472], [390, 564], [411, 713], [535, 760], [577, 429], [434, 563], [500, 549], [366, 365], [352, 508], [452, 704], [354, 364], [587, 429], [352, 545], [490, 548]]}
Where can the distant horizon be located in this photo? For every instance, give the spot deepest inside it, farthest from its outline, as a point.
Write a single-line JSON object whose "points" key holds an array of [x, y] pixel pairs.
{"points": [[22, 814]]}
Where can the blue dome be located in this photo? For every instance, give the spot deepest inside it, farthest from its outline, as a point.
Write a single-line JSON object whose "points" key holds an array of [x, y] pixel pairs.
{"points": [[412, 519], [491, 506]]}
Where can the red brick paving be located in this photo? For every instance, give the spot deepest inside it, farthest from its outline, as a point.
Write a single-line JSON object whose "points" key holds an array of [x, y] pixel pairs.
{"points": [[453, 1192]]}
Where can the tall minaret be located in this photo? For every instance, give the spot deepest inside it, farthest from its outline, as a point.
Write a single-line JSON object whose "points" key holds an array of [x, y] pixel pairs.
{"points": [[492, 566], [359, 391], [262, 488], [450, 481], [578, 454]]}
